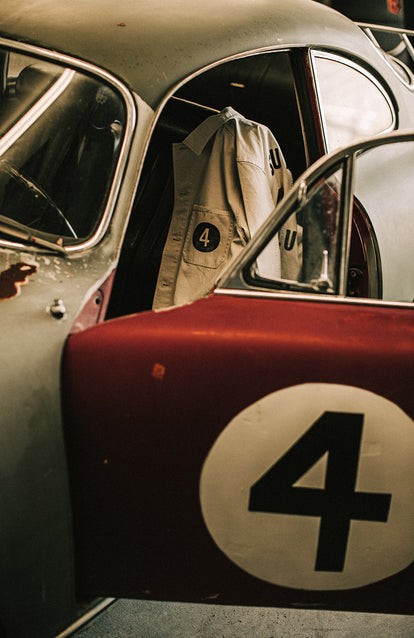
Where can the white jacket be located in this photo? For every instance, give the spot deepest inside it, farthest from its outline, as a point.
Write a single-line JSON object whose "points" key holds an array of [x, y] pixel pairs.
{"points": [[229, 174]]}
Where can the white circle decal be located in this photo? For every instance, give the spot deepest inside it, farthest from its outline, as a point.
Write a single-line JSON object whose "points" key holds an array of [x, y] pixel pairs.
{"points": [[312, 487]]}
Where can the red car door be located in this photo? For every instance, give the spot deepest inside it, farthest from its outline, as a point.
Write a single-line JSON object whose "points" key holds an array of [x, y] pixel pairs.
{"points": [[255, 446]]}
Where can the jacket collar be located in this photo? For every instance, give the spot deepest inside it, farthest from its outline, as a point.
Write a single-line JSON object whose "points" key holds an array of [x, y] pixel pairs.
{"points": [[198, 138]]}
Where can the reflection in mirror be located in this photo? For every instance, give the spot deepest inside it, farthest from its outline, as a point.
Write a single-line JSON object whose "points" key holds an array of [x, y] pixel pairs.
{"points": [[308, 242], [319, 218]]}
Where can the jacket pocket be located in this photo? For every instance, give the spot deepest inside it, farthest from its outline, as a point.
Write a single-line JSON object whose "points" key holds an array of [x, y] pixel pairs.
{"points": [[208, 238]]}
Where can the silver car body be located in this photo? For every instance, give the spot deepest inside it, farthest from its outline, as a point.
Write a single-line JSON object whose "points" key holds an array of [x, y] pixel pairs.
{"points": [[146, 51]]}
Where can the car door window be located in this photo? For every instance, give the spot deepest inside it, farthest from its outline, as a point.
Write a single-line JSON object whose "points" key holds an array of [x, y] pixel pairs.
{"points": [[60, 138], [354, 227], [314, 231], [352, 103]]}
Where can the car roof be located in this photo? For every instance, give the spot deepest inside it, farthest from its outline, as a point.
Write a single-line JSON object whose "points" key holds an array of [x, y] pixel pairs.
{"points": [[154, 44]]}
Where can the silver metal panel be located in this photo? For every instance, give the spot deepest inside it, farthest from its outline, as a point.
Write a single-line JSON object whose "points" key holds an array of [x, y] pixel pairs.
{"points": [[36, 554], [154, 45]]}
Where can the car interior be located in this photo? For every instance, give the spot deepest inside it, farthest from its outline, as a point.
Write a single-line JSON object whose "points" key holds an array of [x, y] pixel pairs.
{"points": [[69, 167], [268, 88], [262, 88], [57, 159]]}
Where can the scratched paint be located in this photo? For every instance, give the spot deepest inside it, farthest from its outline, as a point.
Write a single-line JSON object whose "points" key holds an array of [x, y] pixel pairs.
{"points": [[158, 371], [12, 279]]}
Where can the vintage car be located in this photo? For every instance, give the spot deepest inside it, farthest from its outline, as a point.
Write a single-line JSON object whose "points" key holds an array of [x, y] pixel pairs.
{"points": [[248, 440]]}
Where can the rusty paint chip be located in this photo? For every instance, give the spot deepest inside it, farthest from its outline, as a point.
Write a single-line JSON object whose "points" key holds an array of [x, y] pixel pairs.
{"points": [[12, 279], [158, 371]]}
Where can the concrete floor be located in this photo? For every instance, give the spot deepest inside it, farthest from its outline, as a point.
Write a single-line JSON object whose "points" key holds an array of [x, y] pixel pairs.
{"points": [[149, 619]]}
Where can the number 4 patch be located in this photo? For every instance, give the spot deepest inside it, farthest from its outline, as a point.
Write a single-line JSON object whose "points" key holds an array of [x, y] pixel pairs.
{"points": [[339, 434], [206, 237], [301, 491]]}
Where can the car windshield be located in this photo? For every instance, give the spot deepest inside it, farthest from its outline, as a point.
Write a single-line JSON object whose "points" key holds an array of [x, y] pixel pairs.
{"points": [[60, 134]]}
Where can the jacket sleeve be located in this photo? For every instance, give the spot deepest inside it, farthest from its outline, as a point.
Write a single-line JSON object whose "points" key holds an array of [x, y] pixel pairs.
{"points": [[264, 179]]}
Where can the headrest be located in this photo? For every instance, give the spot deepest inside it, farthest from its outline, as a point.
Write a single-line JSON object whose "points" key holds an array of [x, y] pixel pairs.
{"points": [[36, 79], [106, 108]]}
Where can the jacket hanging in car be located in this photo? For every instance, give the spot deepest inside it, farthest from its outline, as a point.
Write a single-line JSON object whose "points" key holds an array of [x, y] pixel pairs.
{"points": [[229, 174]]}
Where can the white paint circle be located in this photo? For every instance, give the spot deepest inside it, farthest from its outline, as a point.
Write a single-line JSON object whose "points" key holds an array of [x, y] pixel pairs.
{"points": [[281, 548]]}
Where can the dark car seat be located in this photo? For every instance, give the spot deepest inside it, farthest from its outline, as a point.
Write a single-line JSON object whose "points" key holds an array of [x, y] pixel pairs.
{"points": [[137, 271]]}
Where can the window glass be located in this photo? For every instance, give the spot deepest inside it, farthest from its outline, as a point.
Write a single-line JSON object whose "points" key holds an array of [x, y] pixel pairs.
{"points": [[308, 243], [351, 102], [379, 242], [60, 133], [383, 185]]}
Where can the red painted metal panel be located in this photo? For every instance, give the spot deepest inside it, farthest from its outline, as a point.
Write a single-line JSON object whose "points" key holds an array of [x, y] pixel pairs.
{"points": [[145, 398]]}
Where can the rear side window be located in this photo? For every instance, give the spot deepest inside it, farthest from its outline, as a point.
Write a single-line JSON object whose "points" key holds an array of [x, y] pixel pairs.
{"points": [[60, 138], [352, 103]]}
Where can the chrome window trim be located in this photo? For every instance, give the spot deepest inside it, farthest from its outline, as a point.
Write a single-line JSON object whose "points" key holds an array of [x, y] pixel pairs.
{"points": [[316, 53], [131, 117], [87, 617], [302, 126], [404, 41], [58, 87], [291, 296], [212, 65], [347, 201], [231, 58]]}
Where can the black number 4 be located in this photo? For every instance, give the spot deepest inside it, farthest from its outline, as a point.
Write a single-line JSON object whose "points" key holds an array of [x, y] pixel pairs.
{"points": [[339, 434]]}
